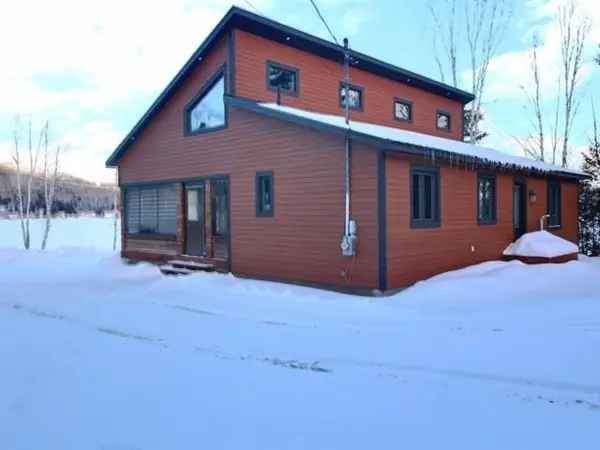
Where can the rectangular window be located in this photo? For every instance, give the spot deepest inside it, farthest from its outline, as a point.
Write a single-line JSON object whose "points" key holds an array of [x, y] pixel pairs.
{"points": [[264, 194], [486, 199], [151, 209], [554, 204], [425, 197], [443, 120], [283, 78], [354, 97], [403, 110]]}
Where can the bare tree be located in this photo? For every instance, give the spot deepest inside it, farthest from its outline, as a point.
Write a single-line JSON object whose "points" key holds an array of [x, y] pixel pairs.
{"points": [[49, 181], [25, 167], [485, 25], [574, 29]]}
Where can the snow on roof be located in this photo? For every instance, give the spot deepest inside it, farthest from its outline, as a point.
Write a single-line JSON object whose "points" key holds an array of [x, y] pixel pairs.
{"points": [[395, 135], [541, 244]]}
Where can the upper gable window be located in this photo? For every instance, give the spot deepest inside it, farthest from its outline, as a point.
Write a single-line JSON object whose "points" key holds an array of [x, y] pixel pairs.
{"points": [[207, 111], [283, 78], [403, 110], [355, 97], [443, 120]]}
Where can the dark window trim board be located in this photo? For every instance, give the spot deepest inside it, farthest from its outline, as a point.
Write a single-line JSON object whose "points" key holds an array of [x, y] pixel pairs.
{"points": [[445, 113], [436, 206], [550, 182], [296, 91], [487, 176], [206, 87], [356, 88], [406, 102], [258, 176]]}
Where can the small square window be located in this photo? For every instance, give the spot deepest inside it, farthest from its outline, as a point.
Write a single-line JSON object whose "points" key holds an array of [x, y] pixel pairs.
{"points": [[403, 110], [443, 121], [283, 78], [264, 194], [355, 97]]}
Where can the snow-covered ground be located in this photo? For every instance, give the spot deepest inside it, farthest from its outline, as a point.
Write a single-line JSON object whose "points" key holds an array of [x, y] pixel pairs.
{"points": [[82, 232], [96, 354]]}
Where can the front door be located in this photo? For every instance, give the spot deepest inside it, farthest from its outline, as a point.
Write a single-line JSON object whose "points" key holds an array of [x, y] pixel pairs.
{"points": [[519, 210], [195, 211]]}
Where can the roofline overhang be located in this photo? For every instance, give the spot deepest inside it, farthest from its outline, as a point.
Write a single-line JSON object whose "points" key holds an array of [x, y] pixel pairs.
{"points": [[245, 20], [387, 145]]}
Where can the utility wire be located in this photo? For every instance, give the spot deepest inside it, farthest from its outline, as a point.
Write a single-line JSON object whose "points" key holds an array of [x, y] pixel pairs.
{"points": [[251, 5], [324, 21]]}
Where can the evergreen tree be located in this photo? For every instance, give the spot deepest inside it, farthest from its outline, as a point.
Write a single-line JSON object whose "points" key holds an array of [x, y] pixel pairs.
{"points": [[589, 200]]}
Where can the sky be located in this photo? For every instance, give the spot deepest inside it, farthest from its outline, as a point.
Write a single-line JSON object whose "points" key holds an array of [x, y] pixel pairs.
{"points": [[93, 68]]}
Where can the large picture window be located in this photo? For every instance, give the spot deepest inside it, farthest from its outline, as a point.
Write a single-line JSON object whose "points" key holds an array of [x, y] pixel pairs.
{"points": [[486, 199], [207, 111], [425, 197], [554, 204], [151, 209]]}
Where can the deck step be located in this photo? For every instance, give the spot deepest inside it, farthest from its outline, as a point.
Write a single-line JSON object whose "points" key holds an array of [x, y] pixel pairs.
{"points": [[169, 269], [191, 265]]}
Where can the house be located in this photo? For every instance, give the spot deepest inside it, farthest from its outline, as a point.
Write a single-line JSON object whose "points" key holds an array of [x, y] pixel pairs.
{"points": [[246, 163]]}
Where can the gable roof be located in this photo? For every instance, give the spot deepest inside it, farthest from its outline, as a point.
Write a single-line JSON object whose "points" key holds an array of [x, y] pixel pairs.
{"points": [[253, 23], [398, 140]]}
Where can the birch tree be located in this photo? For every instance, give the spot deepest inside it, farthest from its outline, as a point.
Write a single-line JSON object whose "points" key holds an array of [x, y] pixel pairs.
{"points": [[25, 159], [574, 29], [478, 35], [49, 182]]}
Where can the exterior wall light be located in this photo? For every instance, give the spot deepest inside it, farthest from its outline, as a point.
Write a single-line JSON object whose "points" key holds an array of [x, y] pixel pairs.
{"points": [[532, 197]]}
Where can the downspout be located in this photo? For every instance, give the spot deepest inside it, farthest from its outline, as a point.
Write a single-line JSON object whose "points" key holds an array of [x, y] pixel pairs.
{"points": [[349, 239]]}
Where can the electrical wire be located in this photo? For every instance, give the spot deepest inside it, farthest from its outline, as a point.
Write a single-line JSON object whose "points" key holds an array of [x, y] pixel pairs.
{"points": [[324, 21]]}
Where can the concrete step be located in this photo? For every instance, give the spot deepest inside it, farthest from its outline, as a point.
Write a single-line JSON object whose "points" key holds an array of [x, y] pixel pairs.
{"points": [[169, 269], [191, 265]]}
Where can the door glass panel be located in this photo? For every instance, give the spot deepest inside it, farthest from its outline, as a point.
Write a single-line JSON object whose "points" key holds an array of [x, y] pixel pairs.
{"points": [[192, 205]]}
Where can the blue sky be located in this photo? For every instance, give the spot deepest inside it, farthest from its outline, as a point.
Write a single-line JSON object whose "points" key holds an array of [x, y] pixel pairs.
{"points": [[93, 69]]}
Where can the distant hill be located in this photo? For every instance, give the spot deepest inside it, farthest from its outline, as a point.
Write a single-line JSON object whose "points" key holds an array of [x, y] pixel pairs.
{"points": [[73, 195]]}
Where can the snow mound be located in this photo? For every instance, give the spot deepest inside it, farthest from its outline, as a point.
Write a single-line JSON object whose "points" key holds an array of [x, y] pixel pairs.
{"points": [[541, 244]]}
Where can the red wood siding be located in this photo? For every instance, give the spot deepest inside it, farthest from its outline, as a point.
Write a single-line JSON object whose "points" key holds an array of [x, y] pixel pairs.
{"points": [[301, 241], [319, 87], [416, 254]]}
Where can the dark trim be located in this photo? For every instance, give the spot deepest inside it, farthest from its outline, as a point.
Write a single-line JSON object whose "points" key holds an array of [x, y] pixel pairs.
{"points": [[237, 18], [258, 176], [151, 236], [410, 109], [522, 181], [296, 71], [231, 63], [212, 81], [549, 184], [389, 145], [355, 88], [382, 219], [440, 112], [189, 180], [436, 204], [494, 220]]}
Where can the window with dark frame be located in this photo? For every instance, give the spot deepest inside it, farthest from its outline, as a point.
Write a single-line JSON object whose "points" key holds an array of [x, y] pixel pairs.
{"points": [[355, 96], [486, 199], [425, 197], [443, 120], [207, 112], [151, 209], [554, 204], [283, 78], [264, 194], [403, 110]]}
